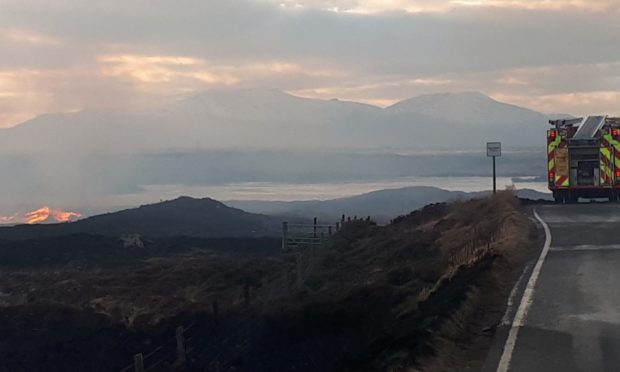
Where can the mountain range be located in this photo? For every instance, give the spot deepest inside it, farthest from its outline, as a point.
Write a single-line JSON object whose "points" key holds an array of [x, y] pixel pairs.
{"points": [[274, 119], [98, 161]]}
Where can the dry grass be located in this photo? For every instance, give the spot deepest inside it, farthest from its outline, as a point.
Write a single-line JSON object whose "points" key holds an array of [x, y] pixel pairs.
{"points": [[377, 298], [461, 341]]}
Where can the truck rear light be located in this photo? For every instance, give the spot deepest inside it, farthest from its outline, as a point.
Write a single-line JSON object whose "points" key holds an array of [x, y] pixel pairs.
{"points": [[615, 132], [553, 133], [618, 173], [551, 176]]}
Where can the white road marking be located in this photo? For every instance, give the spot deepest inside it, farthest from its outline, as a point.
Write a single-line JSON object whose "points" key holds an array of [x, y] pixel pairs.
{"points": [[586, 247], [526, 302], [506, 319]]}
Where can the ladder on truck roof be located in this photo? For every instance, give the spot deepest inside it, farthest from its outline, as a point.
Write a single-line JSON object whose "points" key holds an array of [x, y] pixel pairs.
{"points": [[590, 127]]}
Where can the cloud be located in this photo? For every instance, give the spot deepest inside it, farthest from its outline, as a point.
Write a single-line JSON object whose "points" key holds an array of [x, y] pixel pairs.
{"points": [[420, 6], [581, 103], [28, 37], [69, 54]]}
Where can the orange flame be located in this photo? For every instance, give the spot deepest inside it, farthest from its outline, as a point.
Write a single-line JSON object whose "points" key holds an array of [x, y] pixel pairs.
{"points": [[47, 213], [8, 219]]}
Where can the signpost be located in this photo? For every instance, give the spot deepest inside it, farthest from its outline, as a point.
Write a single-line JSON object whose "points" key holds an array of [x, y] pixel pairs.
{"points": [[494, 149]]}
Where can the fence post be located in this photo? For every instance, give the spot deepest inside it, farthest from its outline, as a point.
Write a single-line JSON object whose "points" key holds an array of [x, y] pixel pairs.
{"points": [[314, 228], [216, 312], [284, 235], [138, 363], [180, 345]]}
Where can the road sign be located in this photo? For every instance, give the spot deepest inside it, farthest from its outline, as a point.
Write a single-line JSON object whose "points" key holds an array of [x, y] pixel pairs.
{"points": [[494, 149]]}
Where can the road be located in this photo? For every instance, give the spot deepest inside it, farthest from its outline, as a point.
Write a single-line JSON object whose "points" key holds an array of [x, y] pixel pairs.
{"points": [[569, 317]]}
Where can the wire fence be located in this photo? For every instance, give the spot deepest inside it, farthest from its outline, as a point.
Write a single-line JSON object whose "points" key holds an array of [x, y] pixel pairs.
{"points": [[218, 345], [205, 344]]}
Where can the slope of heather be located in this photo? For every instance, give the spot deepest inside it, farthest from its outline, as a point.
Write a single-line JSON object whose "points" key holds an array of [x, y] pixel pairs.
{"points": [[180, 217], [412, 295]]}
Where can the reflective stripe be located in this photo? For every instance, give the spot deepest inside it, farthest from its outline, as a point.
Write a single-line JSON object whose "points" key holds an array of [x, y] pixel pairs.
{"points": [[552, 145], [615, 146], [608, 160], [562, 181]]}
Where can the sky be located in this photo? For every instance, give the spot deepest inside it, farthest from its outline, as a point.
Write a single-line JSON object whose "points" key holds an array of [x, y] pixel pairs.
{"points": [[554, 56]]}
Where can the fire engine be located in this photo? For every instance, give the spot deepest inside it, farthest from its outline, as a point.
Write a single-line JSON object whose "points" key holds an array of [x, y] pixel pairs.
{"points": [[584, 158]]}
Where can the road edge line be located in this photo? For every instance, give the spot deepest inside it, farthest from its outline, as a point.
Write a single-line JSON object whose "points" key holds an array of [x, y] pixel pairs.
{"points": [[526, 301], [510, 304]]}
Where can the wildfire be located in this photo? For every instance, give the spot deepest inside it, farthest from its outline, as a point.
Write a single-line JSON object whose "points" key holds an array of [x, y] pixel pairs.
{"points": [[45, 214], [8, 219]]}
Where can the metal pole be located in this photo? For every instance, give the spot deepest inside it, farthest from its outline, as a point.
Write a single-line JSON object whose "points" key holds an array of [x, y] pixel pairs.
{"points": [[494, 178]]}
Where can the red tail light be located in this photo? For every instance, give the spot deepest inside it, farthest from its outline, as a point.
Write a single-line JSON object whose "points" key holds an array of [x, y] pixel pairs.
{"points": [[615, 132], [618, 174], [553, 133], [551, 176]]}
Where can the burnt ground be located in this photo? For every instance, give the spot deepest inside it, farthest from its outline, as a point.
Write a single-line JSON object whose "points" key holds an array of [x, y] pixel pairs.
{"points": [[422, 293]]}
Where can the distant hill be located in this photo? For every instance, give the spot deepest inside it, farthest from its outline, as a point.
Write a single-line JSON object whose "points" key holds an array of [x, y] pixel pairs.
{"points": [[180, 217], [382, 205], [470, 108]]}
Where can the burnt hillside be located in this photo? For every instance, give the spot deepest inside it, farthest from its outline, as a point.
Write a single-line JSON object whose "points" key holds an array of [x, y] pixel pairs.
{"points": [[184, 216], [412, 295]]}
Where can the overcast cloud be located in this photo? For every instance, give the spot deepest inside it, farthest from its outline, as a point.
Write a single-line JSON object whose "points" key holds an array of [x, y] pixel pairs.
{"points": [[66, 55]]}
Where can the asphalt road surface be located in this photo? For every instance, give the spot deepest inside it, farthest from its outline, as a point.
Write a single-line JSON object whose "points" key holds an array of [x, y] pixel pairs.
{"points": [[565, 314]]}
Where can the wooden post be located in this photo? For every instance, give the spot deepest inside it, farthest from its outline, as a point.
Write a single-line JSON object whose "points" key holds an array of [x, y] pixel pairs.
{"points": [[138, 363], [315, 227], [216, 312], [180, 345], [284, 235]]}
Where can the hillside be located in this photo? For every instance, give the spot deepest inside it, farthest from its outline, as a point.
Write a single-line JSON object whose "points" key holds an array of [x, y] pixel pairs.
{"points": [[420, 293], [180, 217], [382, 205]]}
